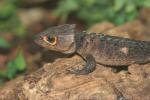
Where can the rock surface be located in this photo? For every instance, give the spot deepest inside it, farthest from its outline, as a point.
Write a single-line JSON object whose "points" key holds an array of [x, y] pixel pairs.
{"points": [[53, 82]]}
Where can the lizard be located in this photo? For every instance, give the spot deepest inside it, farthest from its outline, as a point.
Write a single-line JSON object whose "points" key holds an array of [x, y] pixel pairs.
{"points": [[94, 48]]}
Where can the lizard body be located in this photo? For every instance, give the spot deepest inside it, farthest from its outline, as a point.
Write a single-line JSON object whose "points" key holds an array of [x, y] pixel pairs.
{"points": [[102, 49]]}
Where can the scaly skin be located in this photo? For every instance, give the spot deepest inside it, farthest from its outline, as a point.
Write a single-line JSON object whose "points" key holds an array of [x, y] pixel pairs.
{"points": [[115, 51], [102, 49]]}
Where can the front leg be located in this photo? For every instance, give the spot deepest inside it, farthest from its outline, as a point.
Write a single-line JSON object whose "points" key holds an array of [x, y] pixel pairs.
{"points": [[89, 67]]}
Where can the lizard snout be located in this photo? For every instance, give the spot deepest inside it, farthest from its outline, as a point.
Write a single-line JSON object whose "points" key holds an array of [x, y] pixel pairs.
{"points": [[37, 39]]}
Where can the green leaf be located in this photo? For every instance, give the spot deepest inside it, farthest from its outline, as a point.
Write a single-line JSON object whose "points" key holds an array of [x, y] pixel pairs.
{"points": [[119, 19], [130, 6], [7, 9], [119, 4], [9, 20], [11, 70], [88, 3], [65, 7], [93, 11], [146, 3], [20, 62], [20, 30], [4, 43], [132, 16]]}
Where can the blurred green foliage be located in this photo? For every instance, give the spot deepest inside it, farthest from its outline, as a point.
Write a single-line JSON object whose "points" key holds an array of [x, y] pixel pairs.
{"points": [[13, 67], [92, 11], [9, 20], [4, 43], [10, 23], [18, 64]]}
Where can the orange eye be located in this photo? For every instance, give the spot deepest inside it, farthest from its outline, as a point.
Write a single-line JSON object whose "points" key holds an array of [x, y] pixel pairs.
{"points": [[50, 40]]}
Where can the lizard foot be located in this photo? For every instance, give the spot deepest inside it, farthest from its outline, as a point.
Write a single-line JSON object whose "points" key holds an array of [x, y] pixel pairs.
{"points": [[88, 68]]}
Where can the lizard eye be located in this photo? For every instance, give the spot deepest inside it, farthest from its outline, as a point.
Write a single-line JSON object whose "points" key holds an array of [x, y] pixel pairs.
{"points": [[50, 40]]}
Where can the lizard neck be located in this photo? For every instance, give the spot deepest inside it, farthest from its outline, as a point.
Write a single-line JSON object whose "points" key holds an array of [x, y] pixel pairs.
{"points": [[79, 38], [89, 44]]}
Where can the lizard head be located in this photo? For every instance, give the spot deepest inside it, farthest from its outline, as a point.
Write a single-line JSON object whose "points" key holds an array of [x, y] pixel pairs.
{"points": [[59, 38]]}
